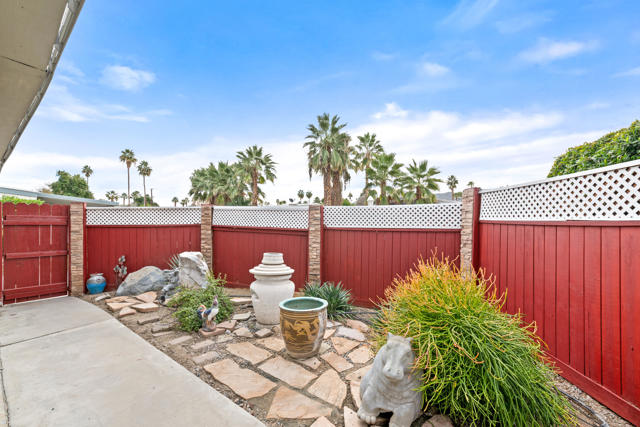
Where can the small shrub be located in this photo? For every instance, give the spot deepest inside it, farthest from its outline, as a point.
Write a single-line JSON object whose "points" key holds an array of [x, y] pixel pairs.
{"points": [[337, 297], [187, 300], [480, 366], [15, 200]]}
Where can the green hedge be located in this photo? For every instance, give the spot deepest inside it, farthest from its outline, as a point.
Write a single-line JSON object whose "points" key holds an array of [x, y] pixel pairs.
{"points": [[615, 147], [16, 200]]}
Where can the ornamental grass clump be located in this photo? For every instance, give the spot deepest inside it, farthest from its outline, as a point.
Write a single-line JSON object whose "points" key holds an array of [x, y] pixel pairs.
{"points": [[481, 366], [187, 301], [338, 298]]}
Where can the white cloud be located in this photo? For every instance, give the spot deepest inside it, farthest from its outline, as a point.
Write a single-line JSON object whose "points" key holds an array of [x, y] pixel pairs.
{"points": [[546, 50], [390, 110], [596, 105], [433, 69], [382, 56], [522, 22], [629, 73], [470, 13], [125, 78]]}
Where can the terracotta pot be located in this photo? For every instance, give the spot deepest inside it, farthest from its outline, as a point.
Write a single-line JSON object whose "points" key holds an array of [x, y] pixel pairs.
{"points": [[303, 321]]}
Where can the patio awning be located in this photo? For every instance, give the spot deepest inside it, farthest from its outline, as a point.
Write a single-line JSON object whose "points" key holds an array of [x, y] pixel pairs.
{"points": [[33, 34]]}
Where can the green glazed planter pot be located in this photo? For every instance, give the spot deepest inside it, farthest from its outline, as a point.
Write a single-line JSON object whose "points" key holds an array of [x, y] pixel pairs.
{"points": [[303, 321]]}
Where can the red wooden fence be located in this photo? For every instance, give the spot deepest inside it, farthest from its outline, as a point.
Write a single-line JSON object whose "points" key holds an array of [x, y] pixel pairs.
{"points": [[580, 282], [237, 249], [141, 244], [367, 260]]}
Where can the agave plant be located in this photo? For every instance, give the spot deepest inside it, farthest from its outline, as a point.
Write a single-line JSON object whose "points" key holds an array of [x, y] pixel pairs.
{"points": [[338, 298], [174, 262]]}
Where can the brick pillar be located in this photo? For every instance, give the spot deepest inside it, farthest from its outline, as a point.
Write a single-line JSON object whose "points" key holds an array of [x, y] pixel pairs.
{"points": [[315, 242], [469, 231], [76, 247], [206, 234]]}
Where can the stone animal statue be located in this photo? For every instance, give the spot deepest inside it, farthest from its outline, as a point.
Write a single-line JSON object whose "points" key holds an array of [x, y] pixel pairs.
{"points": [[391, 383], [208, 315]]}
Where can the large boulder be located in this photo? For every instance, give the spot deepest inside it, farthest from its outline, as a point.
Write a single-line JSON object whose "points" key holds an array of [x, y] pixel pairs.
{"points": [[146, 279], [193, 270]]}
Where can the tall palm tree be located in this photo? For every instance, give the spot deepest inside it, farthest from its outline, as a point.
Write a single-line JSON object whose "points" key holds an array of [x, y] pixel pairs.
{"points": [[87, 171], [419, 181], [175, 201], [471, 184], [129, 158], [259, 167], [300, 195], [383, 171], [452, 183], [328, 154], [368, 146], [184, 202], [222, 184], [309, 195], [111, 196], [145, 170], [123, 196]]}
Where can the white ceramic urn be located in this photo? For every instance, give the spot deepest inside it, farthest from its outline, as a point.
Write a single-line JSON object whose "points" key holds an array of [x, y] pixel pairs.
{"points": [[271, 287]]}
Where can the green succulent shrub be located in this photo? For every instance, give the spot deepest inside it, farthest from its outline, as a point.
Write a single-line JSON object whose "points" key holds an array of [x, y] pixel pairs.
{"points": [[481, 366], [615, 147], [187, 301], [338, 298], [16, 200]]}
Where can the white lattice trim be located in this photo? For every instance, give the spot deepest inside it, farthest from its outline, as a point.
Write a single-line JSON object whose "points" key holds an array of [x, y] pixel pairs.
{"points": [[262, 216], [440, 215], [143, 216], [610, 193]]}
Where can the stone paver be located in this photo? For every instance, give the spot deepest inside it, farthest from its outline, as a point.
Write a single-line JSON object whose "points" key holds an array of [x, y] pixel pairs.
{"points": [[126, 311], [180, 340], [240, 301], [229, 324], [357, 375], [356, 324], [248, 352], [293, 405], [330, 388], [361, 355], [343, 345], [350, 333], [149, 318], [214, 333], [224, 338], [244, 382], [272, 343], [333, 323], [324, 347], [438, 421], [355, 393], [338, 363], [351, 418], [162, 334], [202, 345], [122, 298], [242, 316], [161, 327], [146, 307], [264, 332], [205, 358], [322, 422], [148, 296], [328, 333], [101, 297], [312, 363], [289, 372], [116, 306], [243, 332]]}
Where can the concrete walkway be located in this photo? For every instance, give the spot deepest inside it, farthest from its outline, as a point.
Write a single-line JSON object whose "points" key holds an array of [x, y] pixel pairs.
{"points": [[65, 362]]}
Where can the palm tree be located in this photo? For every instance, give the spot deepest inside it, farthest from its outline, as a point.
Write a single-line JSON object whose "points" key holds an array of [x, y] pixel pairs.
{"points": [[129, 158], [184, 202], [300, 195], [259, 167], [123, 196], [419, 181], [309, 195], [145, 170], [87, 171], [222, 184], [452, 183], [471, 184], [382, 171], [368, 146], [175, 201], [328, 154], [111, 195]]}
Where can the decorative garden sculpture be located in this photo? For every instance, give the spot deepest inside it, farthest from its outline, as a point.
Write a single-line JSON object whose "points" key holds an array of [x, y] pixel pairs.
{"points": [[271, 287], [208, 315], [390, 385]]}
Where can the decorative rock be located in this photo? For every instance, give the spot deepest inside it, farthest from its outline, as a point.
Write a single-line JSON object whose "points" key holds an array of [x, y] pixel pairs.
{"points": [[101, 297], [242, 316], [193, 270], [312, 363], [148, 319], [356, 376], [146, 279], [180, 340], [205, 358], [293, 405], [248, 352], [286, 371], [148, 296], [273, 343], [338, 363], [264, 332], [328, 333], [243, 332], [160, 327], [146, 307], [215, 332], [351, 419], [244, 382], [350, 333], [438, 421], [330, 388], [126, 311], [271, 287], [343, 345], [361, 355], [116, 306], [240, 301], [202, 345], [322, 422], [358, 325], [229, 324]]}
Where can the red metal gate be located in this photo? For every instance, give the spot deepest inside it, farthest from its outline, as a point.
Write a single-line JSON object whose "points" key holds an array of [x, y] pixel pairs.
{"points": [[35, 248]]}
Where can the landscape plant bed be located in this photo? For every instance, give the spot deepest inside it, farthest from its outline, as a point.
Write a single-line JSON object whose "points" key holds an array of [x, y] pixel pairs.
{"points": [[179, 346]]}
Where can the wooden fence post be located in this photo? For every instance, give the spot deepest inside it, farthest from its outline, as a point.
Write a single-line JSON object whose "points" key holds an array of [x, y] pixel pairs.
{"points": [[76, 247], [206, 234], [470, 227], [314, 270]]}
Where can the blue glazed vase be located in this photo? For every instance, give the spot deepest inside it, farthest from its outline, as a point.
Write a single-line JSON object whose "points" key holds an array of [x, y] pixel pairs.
{"points": [[96, 283]]}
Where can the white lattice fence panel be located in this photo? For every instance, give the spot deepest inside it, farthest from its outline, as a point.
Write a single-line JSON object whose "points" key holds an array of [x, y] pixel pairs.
{"points": [[143, 216], [611, 193], [441, 215], [262, 216]]}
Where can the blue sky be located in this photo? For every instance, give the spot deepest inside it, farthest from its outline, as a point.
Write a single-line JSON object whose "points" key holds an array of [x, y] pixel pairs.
{"points": [[488, 90]]}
